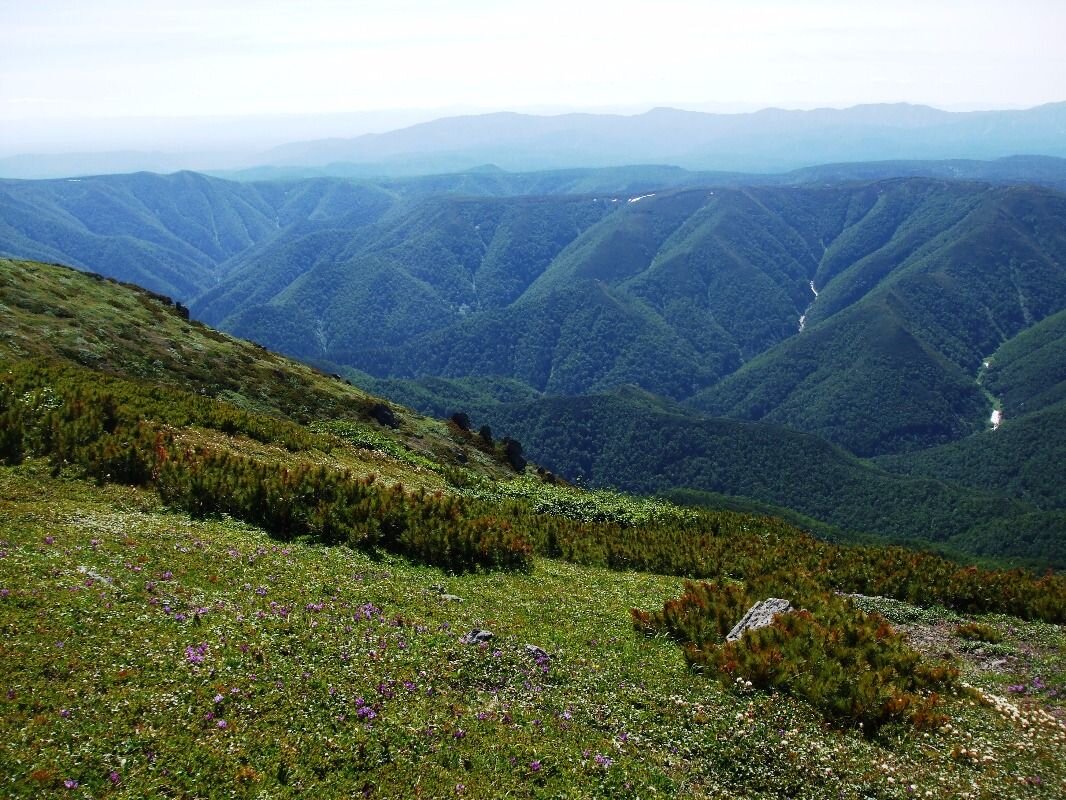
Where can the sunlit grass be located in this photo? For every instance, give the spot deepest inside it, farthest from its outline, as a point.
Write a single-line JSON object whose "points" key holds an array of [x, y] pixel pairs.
{"points": [[131, 634]]}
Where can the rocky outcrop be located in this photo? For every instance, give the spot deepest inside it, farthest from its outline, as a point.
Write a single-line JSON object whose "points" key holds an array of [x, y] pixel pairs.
{"points": [[477, 636], [759, 616]]}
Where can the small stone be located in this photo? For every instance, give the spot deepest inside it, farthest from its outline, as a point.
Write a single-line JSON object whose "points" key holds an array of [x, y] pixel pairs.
{"points": [[451, 598], [536, 652], [477, 636], [759, 616], [89, 572]]}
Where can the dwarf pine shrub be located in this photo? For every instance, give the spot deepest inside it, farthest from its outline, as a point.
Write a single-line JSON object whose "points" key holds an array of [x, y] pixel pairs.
{"points": [[114, 429], [851, 666], [979, 632]]}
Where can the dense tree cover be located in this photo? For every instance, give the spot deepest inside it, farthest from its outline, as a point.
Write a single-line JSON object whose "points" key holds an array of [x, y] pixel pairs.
{"points": [[1022, 459], [640, 179], [849, 665], [297, 393], [913, 299], [169, 233], [691, 293], [414, 273], [677, 290], [626, 440], [1028, 373]]}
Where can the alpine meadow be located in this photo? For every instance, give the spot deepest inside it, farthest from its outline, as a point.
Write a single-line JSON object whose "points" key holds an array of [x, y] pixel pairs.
{"points": [[486, 401]]}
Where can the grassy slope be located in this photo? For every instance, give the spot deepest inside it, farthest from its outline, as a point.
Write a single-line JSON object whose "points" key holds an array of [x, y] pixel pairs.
{"points": [[102, 592], [57, 313]]}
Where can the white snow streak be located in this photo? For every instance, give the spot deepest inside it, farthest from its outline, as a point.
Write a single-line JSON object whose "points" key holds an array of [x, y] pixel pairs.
{"points": [[803, 317]]}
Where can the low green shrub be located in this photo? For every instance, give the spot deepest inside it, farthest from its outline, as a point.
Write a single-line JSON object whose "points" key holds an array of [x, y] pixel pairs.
{"points": [[101, 433], [851, 666], [979, 632]]}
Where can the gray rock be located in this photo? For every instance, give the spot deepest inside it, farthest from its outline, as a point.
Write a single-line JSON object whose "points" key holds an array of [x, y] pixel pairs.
{"points": [[89, 572], [759, 616], [477, 636], [536, 652], [451, 598]]}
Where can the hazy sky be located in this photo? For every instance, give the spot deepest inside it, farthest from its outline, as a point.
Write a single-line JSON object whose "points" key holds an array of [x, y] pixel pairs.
{"points": [[78, 58]]}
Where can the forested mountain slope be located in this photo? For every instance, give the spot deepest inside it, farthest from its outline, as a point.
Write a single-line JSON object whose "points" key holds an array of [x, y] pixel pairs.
{"points": [[902, 287], [886, 317], [169, 233]]}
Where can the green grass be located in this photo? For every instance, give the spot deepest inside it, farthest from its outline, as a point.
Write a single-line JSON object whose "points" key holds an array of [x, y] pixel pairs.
{"points": [[96, 679]]}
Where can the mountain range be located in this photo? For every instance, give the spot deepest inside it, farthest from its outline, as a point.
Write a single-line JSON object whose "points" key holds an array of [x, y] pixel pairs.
{"points": [[770, 140], [829, 344], [767, 140]]}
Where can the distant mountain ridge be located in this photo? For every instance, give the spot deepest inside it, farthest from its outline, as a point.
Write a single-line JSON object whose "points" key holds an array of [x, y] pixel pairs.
{"points": [[763, 141], [770, 140]]}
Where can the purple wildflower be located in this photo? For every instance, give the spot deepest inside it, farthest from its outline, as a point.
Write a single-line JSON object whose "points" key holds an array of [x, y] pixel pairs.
{"points": [[196, 655], [70, 784], [534, 766], [221, 725], [218, 699]]}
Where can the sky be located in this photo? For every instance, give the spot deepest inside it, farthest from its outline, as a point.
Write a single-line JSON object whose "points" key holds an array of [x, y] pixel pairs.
{"points": [[142, 60]]}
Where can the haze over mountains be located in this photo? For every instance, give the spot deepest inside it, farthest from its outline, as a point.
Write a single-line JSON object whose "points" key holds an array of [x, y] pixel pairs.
{"points": [[653, 328], [771, 140]]}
